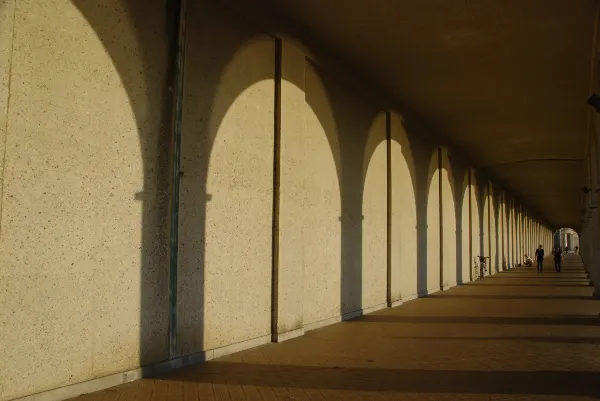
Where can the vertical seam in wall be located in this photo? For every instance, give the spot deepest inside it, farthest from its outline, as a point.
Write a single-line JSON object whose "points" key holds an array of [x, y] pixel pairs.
{"points": [[276, 191], [176, 177], [441, 222], [7, 110], [470, 227], [388, 135]]}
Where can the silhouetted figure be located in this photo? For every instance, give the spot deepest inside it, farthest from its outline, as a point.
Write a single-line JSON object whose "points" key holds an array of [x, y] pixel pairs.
{"points": [[558, 257], [539, 256]]}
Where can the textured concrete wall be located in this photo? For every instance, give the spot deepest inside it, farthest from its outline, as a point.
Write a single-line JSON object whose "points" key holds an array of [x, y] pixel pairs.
{"points": [[467, 259], [449, 276], [7, 9], [342, 127], [503, 230], [82, 252], [227, 187], [493, 232], [433, 226], [476, 245], [293, 190], [486, 229], [510, 227], [374, 215], [322, 226], [404, 214]]}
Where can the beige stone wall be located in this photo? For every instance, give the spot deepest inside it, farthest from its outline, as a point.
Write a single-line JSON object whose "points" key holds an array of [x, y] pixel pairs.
{"points": [[293, 188], [82, 249], [475, 219], [404, 214], [322, 227], [486, 218], [374, 216], [467, 260], [7, 9], [433, 226], [225, 248], [493, 232], [448, 222]]}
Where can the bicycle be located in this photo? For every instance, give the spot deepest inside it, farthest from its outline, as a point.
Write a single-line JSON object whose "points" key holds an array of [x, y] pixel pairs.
{"points": [[480, 267]]}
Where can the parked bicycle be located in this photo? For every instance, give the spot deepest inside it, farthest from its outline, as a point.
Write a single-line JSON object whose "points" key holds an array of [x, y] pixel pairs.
{"points": [[480, 267]]}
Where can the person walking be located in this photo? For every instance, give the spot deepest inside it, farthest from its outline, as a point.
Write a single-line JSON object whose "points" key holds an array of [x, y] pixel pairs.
{"points": [[558, 257], [539, 256]]}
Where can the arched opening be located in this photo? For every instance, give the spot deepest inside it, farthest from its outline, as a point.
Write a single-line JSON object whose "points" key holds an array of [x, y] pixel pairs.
{"points": [[567, 239]]}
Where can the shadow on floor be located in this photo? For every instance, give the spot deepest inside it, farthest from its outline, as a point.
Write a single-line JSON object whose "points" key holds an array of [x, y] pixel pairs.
{"points": [[578, 320], [394, 380], [521, 297], [556, 340], [487, 284]]}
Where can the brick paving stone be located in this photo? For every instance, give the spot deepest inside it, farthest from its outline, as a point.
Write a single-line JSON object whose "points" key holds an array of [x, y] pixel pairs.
{"points": [[515, 336]]}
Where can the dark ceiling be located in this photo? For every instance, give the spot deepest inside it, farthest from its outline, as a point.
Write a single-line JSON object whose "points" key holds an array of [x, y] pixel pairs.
{"points": [[504, 81]]}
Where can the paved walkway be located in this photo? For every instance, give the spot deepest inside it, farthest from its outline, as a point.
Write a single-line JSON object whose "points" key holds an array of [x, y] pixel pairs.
{"points": [[518, 335]]}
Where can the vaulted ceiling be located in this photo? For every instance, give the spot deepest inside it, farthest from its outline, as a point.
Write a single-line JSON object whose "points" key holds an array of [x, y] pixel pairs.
{"points": [[504, 81]]}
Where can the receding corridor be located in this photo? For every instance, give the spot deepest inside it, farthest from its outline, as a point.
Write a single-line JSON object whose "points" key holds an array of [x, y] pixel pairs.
{"points": [[291, 199], [517, 335]]}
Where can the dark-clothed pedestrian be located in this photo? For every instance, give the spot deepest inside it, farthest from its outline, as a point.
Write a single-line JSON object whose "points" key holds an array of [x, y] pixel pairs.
{"points": [[539, 256], [558, 258]]}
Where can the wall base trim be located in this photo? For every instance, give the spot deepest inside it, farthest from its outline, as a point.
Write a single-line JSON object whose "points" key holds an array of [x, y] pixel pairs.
{"points": [[288, 335], [393, 304], [374, 308], [410, 297], [424, 293], [102, 383], [447, 287], [340, 318]]}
